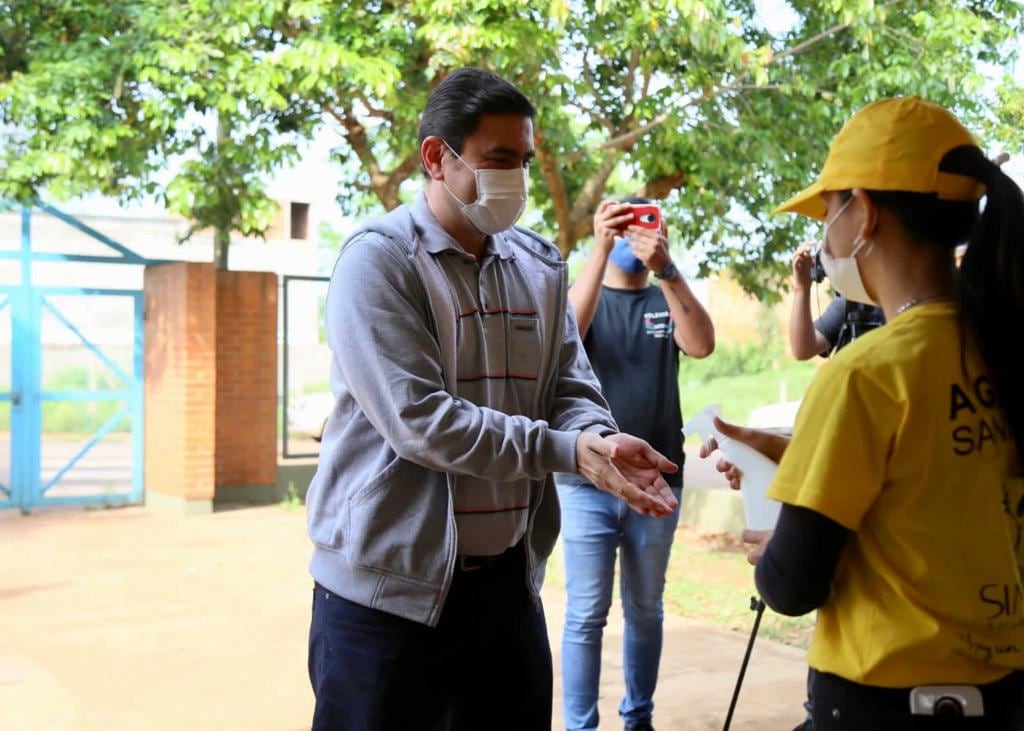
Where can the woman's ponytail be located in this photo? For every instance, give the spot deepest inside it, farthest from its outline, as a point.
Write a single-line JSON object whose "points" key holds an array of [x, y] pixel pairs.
{"points": [[992, 283]]}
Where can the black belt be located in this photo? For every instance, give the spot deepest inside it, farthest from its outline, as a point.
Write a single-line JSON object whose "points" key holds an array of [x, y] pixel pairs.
{"points": [[484, 563], [998, 696]]}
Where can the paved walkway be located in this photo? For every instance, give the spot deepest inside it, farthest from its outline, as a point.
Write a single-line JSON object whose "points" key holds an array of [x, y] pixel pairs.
{"points": [[123, 619]]}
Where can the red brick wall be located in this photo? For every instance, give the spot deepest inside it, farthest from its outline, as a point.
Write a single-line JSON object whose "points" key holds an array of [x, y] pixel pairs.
{"points": [[246, 398], [180, 379], [210, 379]]}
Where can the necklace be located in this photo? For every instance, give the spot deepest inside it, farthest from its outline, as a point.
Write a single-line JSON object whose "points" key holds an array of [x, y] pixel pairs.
{"points": [[915, 302]]}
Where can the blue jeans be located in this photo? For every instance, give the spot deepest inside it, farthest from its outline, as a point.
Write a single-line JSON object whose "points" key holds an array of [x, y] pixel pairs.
{"points": [[595, 525]]}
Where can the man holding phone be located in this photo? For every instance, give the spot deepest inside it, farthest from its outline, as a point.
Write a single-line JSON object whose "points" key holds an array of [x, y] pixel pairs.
{"points": [[633, 333]]}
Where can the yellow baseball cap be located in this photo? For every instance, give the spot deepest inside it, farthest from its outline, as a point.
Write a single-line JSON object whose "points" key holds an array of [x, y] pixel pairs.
{"points": [[892, 144]]}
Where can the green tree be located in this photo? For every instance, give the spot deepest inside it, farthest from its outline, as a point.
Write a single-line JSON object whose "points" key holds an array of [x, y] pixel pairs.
{"points": [[697, 102], [197, 101], [693, 101]]}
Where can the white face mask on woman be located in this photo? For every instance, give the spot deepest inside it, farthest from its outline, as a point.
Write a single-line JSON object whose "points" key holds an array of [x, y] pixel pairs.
{"points": [[843, 272], [500, 197]]}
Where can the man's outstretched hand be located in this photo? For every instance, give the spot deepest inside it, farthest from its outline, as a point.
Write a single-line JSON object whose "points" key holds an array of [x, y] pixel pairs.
{"points": [[628, 468]]}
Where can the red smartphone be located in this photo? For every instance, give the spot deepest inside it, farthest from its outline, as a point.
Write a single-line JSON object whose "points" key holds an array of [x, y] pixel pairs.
{"points": [[646, 216]]}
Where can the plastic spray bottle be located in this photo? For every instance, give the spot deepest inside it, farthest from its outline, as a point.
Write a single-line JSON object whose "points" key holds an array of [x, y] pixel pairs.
{"points": [[758, 471]]}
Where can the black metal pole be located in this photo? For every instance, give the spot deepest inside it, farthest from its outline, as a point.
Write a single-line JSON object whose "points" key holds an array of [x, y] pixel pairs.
{"points": [[757, 605]]}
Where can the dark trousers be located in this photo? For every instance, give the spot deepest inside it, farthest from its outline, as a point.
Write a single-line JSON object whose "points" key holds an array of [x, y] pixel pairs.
{"points": [[839, 704], [487, 665]]}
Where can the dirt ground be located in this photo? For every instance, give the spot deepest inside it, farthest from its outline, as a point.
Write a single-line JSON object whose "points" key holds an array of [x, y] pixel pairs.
{"points": [[124, 619]]}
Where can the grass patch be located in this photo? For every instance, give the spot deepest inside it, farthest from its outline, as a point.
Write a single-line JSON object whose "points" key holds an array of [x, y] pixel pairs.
{"points": [[741, 393], [709, 579], [78, 419], [291, 501]]}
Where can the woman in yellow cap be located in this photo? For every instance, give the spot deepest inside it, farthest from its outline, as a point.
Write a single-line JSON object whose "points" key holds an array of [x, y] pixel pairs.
{"points": [[903, 501]]}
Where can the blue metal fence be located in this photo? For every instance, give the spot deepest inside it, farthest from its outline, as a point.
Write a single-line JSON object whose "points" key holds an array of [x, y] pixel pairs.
{"points": [[26, 304]]}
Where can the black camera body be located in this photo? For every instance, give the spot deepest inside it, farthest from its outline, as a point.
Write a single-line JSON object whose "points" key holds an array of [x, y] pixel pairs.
{"points": [[817, 270], [857, 320]]}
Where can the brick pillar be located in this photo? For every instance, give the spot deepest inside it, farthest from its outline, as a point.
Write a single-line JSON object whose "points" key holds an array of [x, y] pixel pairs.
{"points": [[210, 386], [180, 384], [246, 446]]}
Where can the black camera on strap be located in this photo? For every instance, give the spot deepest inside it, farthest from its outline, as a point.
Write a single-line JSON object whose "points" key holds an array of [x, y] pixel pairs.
{"points": [[857, 320], [817, 270]]}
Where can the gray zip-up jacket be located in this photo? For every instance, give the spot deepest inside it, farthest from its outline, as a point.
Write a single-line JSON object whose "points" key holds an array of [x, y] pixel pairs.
{"points": [[380, 511]]}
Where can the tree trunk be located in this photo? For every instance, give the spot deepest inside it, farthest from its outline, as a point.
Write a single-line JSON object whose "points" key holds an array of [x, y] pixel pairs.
{"points": [[221, 242], [559, 198], [221, 233]]}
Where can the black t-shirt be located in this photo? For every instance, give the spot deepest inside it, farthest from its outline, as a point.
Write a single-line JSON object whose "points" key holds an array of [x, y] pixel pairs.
{"points": [[635, 357], [830, 324]]}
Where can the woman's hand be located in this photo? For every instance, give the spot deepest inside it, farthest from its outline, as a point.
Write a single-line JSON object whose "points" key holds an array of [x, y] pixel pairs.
{"points": [[770, 444], [757, 541]]}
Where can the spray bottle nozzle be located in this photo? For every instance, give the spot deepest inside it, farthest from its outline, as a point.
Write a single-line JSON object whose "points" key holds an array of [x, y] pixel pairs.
{"points": [[704, 423]]}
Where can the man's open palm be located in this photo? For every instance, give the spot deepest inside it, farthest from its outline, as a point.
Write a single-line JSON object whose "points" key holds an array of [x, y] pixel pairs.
{"points": [[629, 468]]}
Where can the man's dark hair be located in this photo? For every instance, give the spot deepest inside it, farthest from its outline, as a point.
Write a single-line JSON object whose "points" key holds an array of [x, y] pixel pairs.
{"points": [[454, 108]]}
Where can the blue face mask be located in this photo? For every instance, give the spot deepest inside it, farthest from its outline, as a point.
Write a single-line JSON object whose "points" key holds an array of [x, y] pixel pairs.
{"points": [[622, 257]]}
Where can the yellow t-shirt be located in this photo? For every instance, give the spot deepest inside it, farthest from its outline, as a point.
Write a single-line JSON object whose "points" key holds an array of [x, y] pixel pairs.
{"points": [[894, 443]]}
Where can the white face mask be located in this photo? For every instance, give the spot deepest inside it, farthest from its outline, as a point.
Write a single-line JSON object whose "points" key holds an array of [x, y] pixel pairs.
{"points": [[844, 272], [500, 197]]}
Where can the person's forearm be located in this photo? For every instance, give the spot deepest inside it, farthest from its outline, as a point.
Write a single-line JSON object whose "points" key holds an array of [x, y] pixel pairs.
{"points": [[694, 331], [795, 574], [396, 376], [586, 290], [804, 340]]}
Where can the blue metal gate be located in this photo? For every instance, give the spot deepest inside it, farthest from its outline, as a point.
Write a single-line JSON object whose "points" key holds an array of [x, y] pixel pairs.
{"points": [[72, 402]]}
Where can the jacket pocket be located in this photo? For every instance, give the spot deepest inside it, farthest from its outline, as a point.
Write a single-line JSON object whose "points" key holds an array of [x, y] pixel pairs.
{"points": [[398, 524]]}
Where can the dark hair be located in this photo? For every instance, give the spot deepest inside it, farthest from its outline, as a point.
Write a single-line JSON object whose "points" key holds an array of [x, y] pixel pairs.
{"points": [[991, 279], [992, 282], [454, 108]]}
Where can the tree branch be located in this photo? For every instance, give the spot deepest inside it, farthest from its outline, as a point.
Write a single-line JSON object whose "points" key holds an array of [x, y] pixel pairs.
{"points": [[556, 187], [355, 135], [591, 83], [582, 229], [601, 119], [375, 111], [408, 166], [812, 41], [629, 138], [581, 218], [593, 187], [755, 87], [634, 60], [383, 184], [660, 187]]}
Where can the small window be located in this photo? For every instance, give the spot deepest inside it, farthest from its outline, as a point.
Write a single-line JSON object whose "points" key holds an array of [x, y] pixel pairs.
{"points": [[300, 221]]}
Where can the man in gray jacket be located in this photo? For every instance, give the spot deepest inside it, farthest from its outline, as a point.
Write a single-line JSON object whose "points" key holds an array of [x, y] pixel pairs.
{"points": [[460, 386]]}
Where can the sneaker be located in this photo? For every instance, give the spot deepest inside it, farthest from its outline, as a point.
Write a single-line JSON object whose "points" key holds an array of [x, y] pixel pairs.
{"points": [[641, 726]]}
